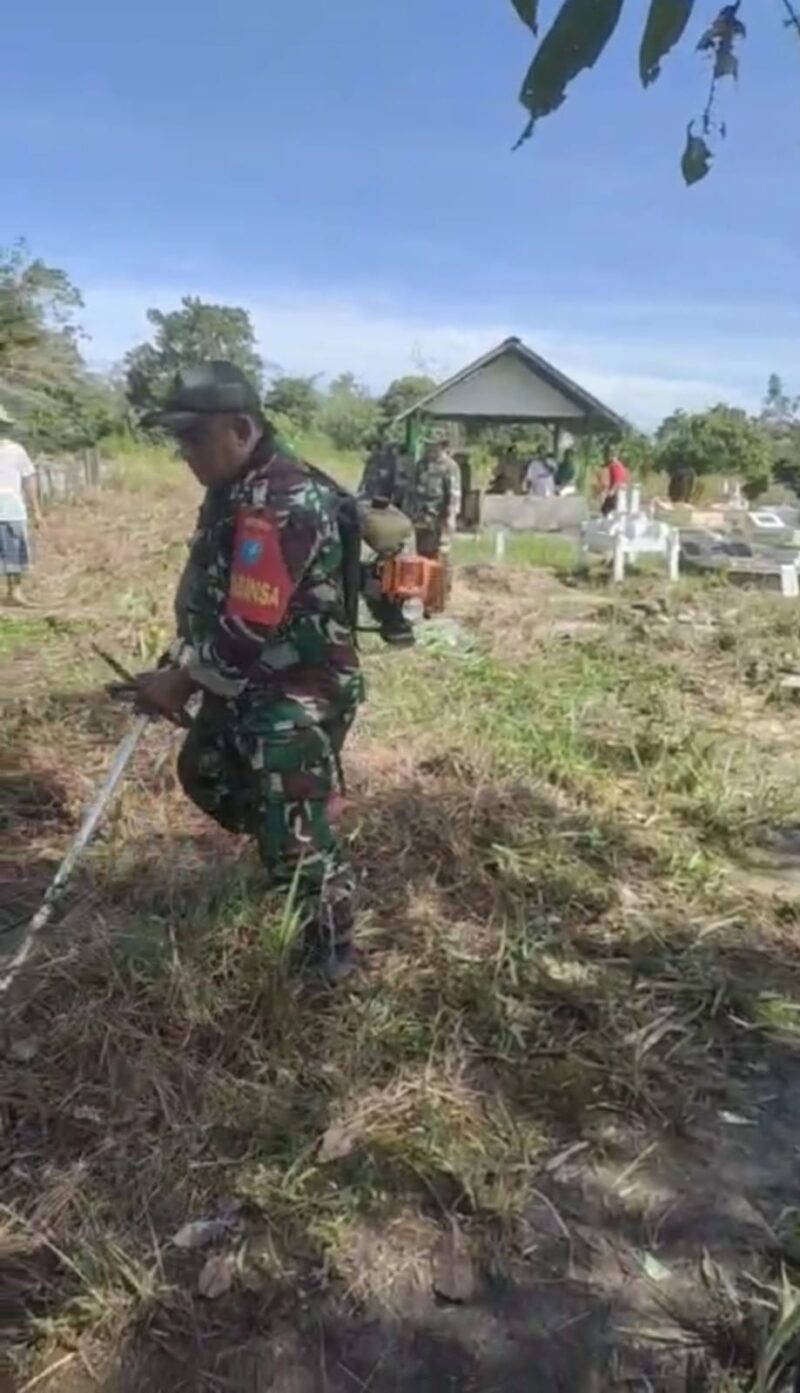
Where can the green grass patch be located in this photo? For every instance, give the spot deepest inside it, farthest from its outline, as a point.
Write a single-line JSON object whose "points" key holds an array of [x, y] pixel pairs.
{"points": [[22, 631], [522, 549], [346, 466], [139, 467]]}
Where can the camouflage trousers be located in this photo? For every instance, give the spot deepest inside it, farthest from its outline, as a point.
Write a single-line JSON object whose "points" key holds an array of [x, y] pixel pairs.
{"points": [[260, 774]]}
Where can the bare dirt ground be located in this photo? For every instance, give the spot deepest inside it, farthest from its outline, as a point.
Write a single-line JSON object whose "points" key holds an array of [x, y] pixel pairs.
{"points": [[550, 1138]]}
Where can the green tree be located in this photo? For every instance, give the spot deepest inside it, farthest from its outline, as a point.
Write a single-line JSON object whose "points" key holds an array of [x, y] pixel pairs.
{"points": [[637, 451], [780, 418], [74, 416], [525, 438], [295, 398], [724, 441], [38, 332], [349, 415], [403, 393], [194, 333], [582, 29], [779, 409], [43, 379]]}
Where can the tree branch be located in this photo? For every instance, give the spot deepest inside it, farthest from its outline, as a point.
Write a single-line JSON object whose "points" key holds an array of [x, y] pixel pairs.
{"points": [[793, 22]]}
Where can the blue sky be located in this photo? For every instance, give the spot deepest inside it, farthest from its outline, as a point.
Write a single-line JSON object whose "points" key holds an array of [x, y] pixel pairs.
{"points": [[344, 170]]}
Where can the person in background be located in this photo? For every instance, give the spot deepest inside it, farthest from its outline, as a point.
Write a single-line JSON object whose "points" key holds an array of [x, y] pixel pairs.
{"points": [[539, 477], [454, 504], [379, 480], [19, 494], [430, 502], [508, 475], [432, 505], [455, 498], [567, 475], [613, 478], [388, 475]]}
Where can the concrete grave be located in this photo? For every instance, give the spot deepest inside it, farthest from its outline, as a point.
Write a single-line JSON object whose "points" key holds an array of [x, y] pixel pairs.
{"points": [[629, 534], [518, 513]]}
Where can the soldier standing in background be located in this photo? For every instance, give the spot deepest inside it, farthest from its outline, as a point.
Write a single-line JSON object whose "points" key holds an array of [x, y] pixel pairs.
{"points": [[388, 476], [428, 504], [379, 480], [264, 637], [434, 504]]}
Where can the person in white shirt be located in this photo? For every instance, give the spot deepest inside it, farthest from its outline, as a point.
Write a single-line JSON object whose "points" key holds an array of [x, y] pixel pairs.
{"points": [[540, 477], [18, 494], [454, 506]]}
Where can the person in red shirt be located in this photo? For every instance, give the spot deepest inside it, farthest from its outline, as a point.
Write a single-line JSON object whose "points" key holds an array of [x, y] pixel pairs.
{"points": [[615, 476]]}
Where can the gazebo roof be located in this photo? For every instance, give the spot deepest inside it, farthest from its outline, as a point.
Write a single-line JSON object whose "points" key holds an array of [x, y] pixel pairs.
{"points": [[512, 383]]}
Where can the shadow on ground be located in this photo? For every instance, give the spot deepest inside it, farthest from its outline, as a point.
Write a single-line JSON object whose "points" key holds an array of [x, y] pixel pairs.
{"points": [[583, 1002]]}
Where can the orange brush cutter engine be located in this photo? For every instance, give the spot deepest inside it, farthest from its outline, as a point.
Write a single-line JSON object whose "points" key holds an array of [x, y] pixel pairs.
{"points": [[399, 588], [406, 579]]}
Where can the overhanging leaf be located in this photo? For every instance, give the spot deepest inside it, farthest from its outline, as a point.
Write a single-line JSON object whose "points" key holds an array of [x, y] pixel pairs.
{"points": [[666, 22], [726, 29], [579, 33], [697, 158], [528, 11]]}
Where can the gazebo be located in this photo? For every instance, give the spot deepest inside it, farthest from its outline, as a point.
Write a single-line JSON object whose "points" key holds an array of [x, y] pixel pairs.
{"points": [[512, 385]]}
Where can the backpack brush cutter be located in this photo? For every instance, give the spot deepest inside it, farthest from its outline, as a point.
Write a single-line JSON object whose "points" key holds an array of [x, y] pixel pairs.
{"points": [[399, 588]]}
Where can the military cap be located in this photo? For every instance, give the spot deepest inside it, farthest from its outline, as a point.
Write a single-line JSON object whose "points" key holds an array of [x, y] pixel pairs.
{"points": [[205, 389]]}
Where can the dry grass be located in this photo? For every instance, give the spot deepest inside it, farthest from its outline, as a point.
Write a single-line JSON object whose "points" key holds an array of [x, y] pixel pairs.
{"points": [[571, 985]]}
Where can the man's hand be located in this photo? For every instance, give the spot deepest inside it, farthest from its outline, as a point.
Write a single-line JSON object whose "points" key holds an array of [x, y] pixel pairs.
{"points": [[165, 692]]}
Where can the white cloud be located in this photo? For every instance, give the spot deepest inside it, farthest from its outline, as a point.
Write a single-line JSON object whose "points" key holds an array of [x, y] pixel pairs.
{"points": [[644, 361]]}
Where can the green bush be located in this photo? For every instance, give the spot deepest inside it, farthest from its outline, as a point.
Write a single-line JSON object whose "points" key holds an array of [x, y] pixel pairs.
{"points": [[724, 441]]}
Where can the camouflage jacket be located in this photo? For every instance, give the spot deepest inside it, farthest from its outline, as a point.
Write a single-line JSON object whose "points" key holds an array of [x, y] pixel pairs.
{"points": [[260, 607], [428, 501], [387, 474], [378, 479]]}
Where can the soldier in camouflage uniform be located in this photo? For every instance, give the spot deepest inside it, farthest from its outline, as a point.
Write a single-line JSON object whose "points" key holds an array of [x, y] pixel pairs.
{"points": [[388, 475], [379, 480], [263, 635], [434, 505]]}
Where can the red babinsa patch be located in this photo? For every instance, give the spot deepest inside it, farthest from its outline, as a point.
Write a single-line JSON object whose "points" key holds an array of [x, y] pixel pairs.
{"points": [[261, 586]]}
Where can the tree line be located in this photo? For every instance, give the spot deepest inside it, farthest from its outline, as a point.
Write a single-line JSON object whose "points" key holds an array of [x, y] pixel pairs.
{"points": [[63, 406]]}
